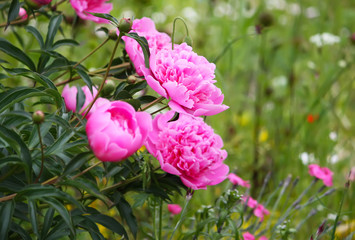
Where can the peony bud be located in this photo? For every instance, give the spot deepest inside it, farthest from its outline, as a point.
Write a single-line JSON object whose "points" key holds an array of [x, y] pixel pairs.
{"points": [[108, 88], [112, 35], [125, 25], [188, 40], [37, 4], [38, 117], [265, 19]]}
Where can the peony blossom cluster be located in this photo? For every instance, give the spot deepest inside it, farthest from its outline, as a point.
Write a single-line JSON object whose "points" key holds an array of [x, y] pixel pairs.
{"points": [[144, 27], [236, 180], [189, 148], [187, 79], [321, 173], [83, 8], [259, 210]]}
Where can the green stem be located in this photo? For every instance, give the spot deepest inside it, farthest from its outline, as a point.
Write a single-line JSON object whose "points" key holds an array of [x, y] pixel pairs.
{"points": [[187, 200], [173, 34], [42, 153], [160, 218], [82, 60], [158, 100], [339, 210]]}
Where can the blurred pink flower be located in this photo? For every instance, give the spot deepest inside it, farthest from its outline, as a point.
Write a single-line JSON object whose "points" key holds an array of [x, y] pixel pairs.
{"points": [[352, 174], [115, 130], [83, 8], [248, 236], [23, 14], [189, 148], [174, 208], [252, 203], [322, 173], [144, 27], [187, 79], [70, 93], [263, 238], [235, 180], [260, 211]]}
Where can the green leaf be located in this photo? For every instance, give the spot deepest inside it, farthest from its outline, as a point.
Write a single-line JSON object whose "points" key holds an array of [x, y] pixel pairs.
{"points": [[13, 11], [76, 162], [20, 231], [11, 161], [106, 16], [133, 88], [142, 41], [107, 222], [16, 53], [53, 27], [134, 102], [32, 209], [64, 42], [63, 212], [58, 145], [19, 146], [126, 212], [36, 34], [16, 95], [103, 29], [6, 212], [122, 95], [80, 99], [86, 78], [47, 223]]}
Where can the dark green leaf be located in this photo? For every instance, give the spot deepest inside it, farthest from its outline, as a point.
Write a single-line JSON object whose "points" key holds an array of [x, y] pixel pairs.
{"points": [[134, 102], [175, 117], [59, 143], [123, 95], [146, 99], [107, 222], [126, 213], [103, 29], [16, 53], [63, 212], [133, 88], [6, 211], [19, 146], [16, 95], [80, 99], [64, 42], [106, 16], [76, 162], [32, 209], [47, 223], [144, 45], [20, 231], [13, 11], [53, 27], [86, 78], [36, 34]]}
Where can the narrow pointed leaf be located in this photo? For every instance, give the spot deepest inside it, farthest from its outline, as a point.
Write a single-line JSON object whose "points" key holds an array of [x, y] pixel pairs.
{"points": [[13, 11], [142, 41], [53, 27], [36, 34], [86, 78], [106, 16], [6, 212]]}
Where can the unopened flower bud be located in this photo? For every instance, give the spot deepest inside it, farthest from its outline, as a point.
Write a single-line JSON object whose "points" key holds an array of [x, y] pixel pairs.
{"points": [[38, 117], [108, 88], [265, 19], [188, 40], [113, 35], [131, 79], [125, 25]]}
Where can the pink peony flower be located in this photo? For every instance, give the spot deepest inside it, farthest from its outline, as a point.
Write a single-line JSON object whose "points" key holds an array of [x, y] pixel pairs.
{"points": [[352, 174], [23, 14], [115, 130], [69, 95], [322, 173], [144, 27], [174, 209], [189, 148], [235, 180], [83, 8], [248, 236], [187, 79]]}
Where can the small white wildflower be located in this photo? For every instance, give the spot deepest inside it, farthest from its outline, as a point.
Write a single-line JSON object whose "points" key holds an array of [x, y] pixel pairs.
{"points": [[159, 17], [324, 39], [312, 12], [320, 207], [294, 9], [223, 9], [190, 14], [345, 218], [342, 63], [333, 136], [280, 81], [276, 4], [333, 159], [311, 65], [332, 216], [307, 158]]}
